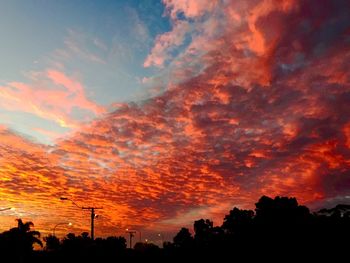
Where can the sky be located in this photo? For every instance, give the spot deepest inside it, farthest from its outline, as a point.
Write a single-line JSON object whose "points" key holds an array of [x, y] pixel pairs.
{"points": [[167, 111]]}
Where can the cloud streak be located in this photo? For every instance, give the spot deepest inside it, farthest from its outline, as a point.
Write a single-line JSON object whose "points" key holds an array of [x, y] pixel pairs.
{"points": [[50, 95]]}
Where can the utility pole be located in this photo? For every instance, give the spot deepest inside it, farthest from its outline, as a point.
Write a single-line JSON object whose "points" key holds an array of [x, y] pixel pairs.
{"points": [[131, 235], [92, 223], [92, 214]]}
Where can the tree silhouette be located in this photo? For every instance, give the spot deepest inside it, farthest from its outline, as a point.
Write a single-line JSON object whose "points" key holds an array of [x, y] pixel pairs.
{"points": [[280, 210], [183, 239], [238, 221], [280, 229], [207, 236], [111, 243], [146, 247], [72, 243], [29, 237], [85, 235], [203, 232], [23, 236], [338, 210], [238, 227], [18, 242], [52, 242]]}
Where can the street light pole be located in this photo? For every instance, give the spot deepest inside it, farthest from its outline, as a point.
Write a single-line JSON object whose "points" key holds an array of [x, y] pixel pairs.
{"points": [[92, 214], [7, 208], [54, 229]]}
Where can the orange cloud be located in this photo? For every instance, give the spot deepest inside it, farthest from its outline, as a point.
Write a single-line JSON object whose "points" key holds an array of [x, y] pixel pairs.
{"points": [[190, 8], [53, 96]]}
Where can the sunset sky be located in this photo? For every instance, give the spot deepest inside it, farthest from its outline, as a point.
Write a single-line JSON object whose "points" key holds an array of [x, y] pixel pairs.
{"points": [[167, 111]]}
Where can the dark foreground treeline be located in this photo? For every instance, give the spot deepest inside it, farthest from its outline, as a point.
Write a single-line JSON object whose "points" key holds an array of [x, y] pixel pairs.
{"points": [[278, 230]]}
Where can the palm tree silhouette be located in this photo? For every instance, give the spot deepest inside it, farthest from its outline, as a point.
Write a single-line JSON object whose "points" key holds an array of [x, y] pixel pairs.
{"points": [[27, 236], [18, 242]]}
